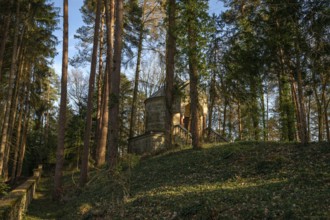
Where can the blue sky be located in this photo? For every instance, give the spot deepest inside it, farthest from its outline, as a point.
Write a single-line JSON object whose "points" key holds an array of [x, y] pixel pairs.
{"points": [[75, 21]]}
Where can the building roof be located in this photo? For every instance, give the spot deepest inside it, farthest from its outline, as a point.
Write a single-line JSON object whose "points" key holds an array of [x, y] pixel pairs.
{"points": [[161, 91]]}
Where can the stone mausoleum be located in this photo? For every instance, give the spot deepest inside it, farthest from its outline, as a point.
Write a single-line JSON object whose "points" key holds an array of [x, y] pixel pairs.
{"points": [[154, 137]]}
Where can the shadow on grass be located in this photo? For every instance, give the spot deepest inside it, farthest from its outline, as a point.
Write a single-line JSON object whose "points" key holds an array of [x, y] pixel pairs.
{"points": [[241, 180], [42, 206], [265, 201], [267, 160], [196, 167]]}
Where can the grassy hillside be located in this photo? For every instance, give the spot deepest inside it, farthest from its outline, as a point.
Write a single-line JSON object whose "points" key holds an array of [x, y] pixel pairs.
{"points": [[240, 180]]}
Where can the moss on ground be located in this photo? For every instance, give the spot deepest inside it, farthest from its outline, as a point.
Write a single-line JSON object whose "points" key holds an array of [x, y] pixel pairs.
{"points": [[238, 180]]}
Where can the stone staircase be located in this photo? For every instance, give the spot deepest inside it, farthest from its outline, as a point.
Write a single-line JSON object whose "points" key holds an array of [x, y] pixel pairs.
{"points": [[14, 204], [211, 136], [182, 136]]}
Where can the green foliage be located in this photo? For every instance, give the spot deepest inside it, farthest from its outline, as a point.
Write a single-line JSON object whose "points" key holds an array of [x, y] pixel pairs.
{"points": [[263, 46], [125, 101], [4, 188], [127, 163], [74, 136], [193, 13]]}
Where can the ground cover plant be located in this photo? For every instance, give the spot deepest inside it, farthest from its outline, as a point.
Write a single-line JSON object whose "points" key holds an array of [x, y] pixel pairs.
{"points": [[237, 180]]}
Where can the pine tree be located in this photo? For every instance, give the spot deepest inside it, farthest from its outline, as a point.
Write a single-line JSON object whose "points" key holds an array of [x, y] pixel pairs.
{"points": [[170, 65], [88, 128], [194, 21], [57, 193], [113, 134]]}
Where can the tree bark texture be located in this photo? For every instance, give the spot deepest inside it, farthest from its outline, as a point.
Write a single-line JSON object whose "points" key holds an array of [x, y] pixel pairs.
{"points": [[88, 128], [26, 119], [57, 192], [12, 119], [193, 73], [100, 88], [211, 105], [239, 117], [101, 150], [170, 69], [13, 71], [17, 144], [326, 118], [115, 87], [224, 122], [5, 32], [137, 76]]}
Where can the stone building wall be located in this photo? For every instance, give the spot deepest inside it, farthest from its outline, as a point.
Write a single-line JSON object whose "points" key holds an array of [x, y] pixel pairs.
{"points": [[155, 114], [147, 143], [155, 107]]}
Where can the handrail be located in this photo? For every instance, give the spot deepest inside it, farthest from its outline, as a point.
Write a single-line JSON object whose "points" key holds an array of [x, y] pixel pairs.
{"points": [[181, 128], [214, 136], [14, 204], [181, 135]]}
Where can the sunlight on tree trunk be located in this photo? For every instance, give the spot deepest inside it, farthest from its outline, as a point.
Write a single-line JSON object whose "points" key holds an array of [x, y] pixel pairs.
{"points": [[193, 73], [170, 69], [88, 128], [13, 70], [57, 192], [115, 87]]}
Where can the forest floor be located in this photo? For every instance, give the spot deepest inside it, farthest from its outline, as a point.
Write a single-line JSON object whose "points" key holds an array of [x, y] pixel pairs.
{"points": [[246, 180]]}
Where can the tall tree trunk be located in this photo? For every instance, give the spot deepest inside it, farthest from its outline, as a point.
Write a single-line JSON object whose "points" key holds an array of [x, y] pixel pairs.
{"points": [[102, 142], [57, 193], [267, 112], [25, 124], [297, 109], [326, 116], [319, 114], [240, 128], [219, 118], [230, 121], [325, 103], [298, 78], [301, 104], [170, 69], [263, 109], [2, 116], [115, 87], [88, 128], [255, 119], [137, 75], [193, 73], [211, 106], [224, 117], [302, 112], [12, 120], [309, 118], [22, 146], [17, 144], [254, 107], [286, 109], [101, 150], [100, 88], [20, 63], [5, 32], [13, 71]]}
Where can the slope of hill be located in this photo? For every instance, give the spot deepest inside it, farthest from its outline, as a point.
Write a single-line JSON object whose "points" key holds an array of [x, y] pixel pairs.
{"points": [[239, 180]]}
